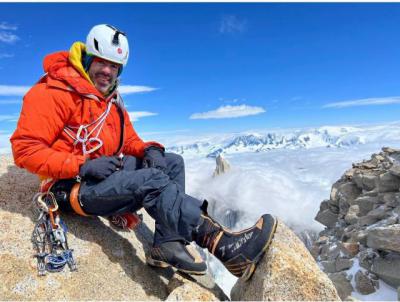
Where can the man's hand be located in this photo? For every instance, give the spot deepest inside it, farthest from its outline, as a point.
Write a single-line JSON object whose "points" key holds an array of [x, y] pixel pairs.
{"points": [[100, 168], [154, 158]]}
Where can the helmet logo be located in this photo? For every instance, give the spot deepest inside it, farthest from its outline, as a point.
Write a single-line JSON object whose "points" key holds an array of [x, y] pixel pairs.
{"points": [[119, 50]]}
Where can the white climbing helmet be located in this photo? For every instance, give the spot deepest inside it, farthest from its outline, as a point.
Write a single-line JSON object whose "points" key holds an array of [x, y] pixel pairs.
{"points": [[107, 42]]}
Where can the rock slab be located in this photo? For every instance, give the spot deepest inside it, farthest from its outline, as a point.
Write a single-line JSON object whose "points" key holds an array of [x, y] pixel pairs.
{"points": [[111, 263], [286, 272]]}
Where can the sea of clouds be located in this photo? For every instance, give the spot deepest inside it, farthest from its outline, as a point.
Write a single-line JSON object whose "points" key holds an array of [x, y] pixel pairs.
{"points": [[290, 184]]}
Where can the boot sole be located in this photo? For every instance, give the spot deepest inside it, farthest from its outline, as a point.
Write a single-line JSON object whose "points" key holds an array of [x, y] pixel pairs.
{"points": [[250, 270], [162, 264]]}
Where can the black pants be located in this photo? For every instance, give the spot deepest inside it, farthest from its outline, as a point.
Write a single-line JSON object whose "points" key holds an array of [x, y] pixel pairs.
{"points": [[161, 194]]}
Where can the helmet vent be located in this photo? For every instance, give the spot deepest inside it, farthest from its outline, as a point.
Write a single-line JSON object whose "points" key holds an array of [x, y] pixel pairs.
{"points": [[96, 44], [115, 40]]}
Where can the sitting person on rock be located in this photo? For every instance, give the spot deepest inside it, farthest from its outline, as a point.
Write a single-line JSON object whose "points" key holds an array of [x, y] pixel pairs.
{"points": [[75, 133]]}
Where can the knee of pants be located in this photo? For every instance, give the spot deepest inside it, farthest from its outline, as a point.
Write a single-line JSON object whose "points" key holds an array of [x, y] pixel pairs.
{"points": [[131, 163], [151, 182], [174, 159]]}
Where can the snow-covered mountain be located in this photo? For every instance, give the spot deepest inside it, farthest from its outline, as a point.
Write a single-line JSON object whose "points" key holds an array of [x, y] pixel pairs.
{"points": [[327, 136]]}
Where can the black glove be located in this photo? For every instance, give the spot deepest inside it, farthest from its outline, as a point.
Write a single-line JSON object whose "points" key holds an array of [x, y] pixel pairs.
{"points": [[100, 168], [154, 157]]}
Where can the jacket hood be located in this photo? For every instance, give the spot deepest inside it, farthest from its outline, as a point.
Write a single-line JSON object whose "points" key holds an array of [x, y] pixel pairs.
{"points": [[67, 68]]}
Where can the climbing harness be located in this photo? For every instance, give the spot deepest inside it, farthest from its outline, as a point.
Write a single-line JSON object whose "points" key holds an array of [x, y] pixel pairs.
{"points": [[49, 237]]}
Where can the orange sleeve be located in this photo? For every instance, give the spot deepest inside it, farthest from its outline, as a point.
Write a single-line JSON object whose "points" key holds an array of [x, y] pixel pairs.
{"points": [[43, 116], [133, 144]]}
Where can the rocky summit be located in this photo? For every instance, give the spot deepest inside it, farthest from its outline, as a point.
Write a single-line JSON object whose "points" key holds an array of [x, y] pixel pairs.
{"points": [[286, 273], [363, 226], [111, 263]]}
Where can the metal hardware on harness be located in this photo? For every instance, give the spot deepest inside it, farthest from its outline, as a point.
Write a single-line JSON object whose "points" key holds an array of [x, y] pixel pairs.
{"points": [[81, 135], [49, 237]]}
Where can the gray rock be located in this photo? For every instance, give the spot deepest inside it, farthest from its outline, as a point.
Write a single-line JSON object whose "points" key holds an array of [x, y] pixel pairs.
{"points": [[391, 151], [395, 170], [388, 182], [398, 293], [352, 214], [387, 269], [222, 165], [342, 284], [324, 205], [365, 165], [366, 204], [359, 236], [394, 219], [385, 238], [357, 179], [343, 264], [367, 220], [366, 258], [364, 284], [379, 213], [334, 198], [369, 182], [374, 216], [326, 217], [331, 251], [315, 251], [349, 174], [334, 209], [373, 193], [347, 192], [343, 207], [349, 249], [378, 157], [329, 266], [322, 240], [391, 199]]}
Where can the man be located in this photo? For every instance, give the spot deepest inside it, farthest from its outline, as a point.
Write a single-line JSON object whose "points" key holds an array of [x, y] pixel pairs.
{"points": [[74, 130]]}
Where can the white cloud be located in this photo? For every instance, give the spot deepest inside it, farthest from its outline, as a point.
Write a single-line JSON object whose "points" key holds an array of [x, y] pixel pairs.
{"points": [[232, 24], [296, 98], [8, 117], [129, 89], [6, 55], [228, 111], [9, 102], [365, 102], [5, 145], [135, 115], [13, 90], [6, 26], [7, 37]]}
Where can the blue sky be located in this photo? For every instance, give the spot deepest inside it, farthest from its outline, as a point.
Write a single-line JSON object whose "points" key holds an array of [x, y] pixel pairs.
{"points": [[206, 67]]}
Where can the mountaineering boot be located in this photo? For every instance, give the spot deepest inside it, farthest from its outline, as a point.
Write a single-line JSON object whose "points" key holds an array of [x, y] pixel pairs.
{"points": [[178, 255], [238, 251]]}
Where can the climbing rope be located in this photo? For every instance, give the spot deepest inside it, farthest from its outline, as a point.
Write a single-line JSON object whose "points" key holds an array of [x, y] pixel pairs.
{"points": [[83, 135]]}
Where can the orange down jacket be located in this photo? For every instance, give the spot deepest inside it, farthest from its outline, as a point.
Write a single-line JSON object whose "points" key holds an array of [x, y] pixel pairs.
{"points": [[65, 97]]}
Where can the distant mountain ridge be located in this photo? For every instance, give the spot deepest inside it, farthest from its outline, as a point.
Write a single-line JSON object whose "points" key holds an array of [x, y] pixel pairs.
{"points": [[327, 136]]}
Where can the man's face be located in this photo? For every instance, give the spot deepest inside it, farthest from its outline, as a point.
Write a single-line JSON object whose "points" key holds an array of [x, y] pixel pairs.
{"points": [[103, 74]]}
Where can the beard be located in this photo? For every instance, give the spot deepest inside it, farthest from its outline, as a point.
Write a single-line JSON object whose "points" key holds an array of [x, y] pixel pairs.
{"points": [[103, 82]]}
